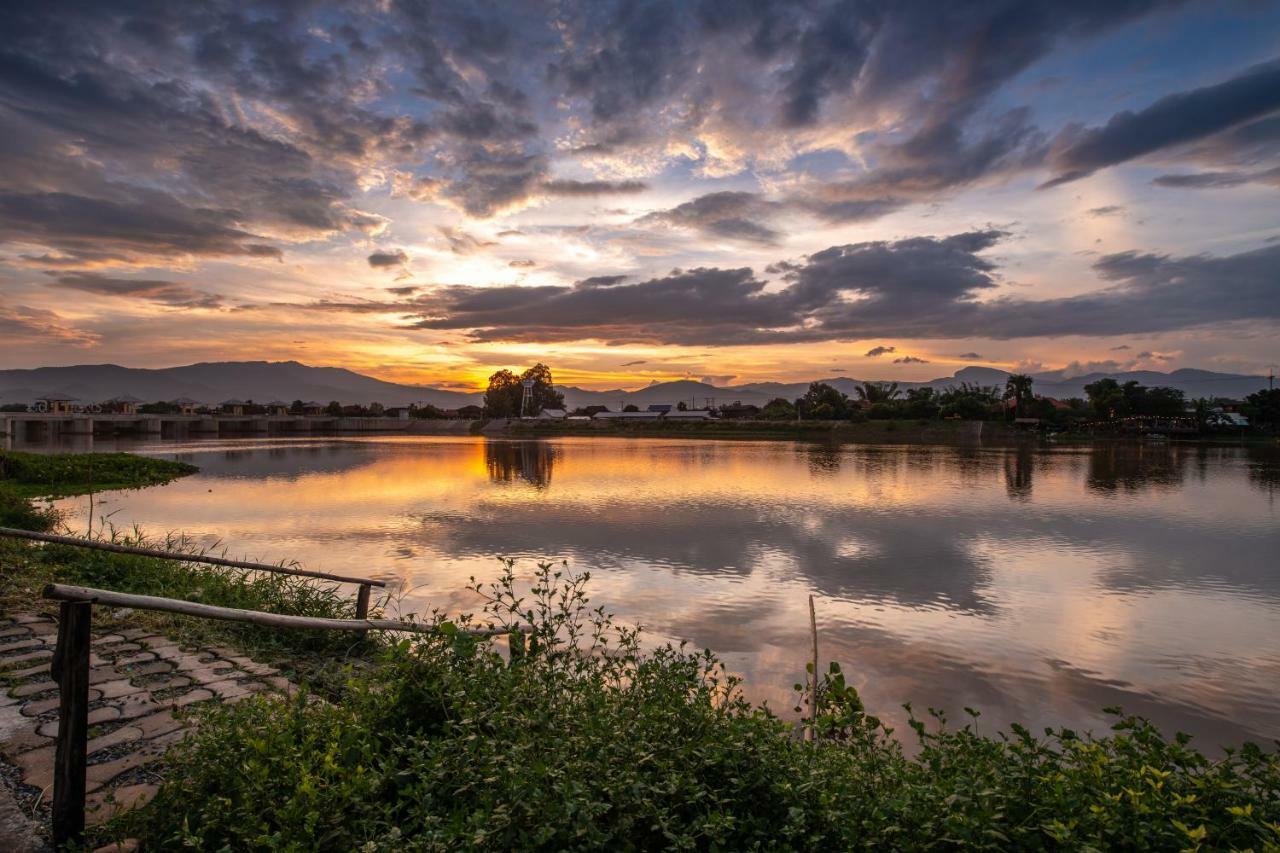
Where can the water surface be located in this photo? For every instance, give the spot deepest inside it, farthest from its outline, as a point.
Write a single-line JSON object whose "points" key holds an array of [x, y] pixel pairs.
{"points": [[1037, 585]]}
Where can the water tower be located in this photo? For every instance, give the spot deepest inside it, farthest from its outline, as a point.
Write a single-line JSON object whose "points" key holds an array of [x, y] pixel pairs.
{"points": [[526, 397]]}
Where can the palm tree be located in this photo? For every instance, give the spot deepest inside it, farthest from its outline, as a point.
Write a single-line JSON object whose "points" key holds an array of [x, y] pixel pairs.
{"points": [[877, 392], [1018, 388]]}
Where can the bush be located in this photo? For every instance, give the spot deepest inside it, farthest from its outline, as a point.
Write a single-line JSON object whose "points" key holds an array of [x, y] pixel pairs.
{"points": [[17, 511], [75, 473], [585, 740]]}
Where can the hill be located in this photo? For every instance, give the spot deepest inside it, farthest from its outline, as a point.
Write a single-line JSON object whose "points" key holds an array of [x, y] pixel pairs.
{"points": [[212, 382]]}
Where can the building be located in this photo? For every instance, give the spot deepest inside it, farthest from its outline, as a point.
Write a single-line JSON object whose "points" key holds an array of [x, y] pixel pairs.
{"points": [[471, 412], [55, 404], [277, 408], [313, 408], [691, 415], [551, 415], [660, 408], [232, 407], [186, 405], [124, 405]]}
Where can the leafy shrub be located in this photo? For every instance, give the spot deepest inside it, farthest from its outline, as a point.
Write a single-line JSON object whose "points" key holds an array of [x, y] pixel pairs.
{"points": [[17, 511], [584, 739]]}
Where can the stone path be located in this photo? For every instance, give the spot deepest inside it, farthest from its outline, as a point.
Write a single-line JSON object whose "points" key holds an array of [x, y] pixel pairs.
{"points": [[137, 680]]}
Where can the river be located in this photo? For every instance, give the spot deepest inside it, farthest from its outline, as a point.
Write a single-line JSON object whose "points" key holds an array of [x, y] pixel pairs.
{"points": [[1035, 584]]}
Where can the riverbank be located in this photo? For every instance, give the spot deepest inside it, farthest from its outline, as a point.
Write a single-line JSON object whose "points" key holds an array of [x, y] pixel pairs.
{"points": [[448, 743]]}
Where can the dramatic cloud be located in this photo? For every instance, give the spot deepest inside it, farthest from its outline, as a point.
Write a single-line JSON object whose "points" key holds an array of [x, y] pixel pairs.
{"points": [[20, 323], [921, 287], [168, 293], [734, 215], [391, 258], [1170, 121], [879, 351]]}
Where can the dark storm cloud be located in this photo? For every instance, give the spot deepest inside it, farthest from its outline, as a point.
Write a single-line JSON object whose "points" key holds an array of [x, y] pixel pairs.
{"points": [[169, 293], [391, 258], [136, 224], [922, 287], [1171, 121]]}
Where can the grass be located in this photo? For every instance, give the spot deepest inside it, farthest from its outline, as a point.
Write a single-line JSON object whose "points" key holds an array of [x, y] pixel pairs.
{"points": [[66, 474], [588, 741]]}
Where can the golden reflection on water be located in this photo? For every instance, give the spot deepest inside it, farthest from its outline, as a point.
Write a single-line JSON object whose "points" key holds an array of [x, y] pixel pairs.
{"points": [[1036, 584]]}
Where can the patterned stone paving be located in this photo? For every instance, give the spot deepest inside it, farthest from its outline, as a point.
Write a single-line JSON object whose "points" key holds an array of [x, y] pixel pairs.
{"points": [[137, 680]]}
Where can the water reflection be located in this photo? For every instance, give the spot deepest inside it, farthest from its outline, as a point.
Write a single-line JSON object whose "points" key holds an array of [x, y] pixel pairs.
{"points": [[1038, 584], [530, 461]]}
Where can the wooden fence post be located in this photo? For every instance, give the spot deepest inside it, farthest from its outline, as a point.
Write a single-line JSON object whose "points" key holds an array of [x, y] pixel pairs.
{"points": [[71, 670], [362, 602]]}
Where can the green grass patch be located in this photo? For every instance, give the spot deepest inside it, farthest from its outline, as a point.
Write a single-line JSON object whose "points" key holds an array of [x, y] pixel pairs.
{"points": [[590, 740], [66, 474]]}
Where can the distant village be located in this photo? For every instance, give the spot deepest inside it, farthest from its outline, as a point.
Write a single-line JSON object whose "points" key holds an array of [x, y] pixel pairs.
{"points": [[1110, 407]]}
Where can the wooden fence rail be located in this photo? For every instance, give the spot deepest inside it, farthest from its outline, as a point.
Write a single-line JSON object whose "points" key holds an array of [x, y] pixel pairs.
{"points": [[70, 669]]}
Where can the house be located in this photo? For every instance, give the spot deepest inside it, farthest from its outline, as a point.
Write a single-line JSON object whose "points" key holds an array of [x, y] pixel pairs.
{"points": [[124, 405], [232, 407], [186, 405], [551, 415], [691, 415], [660, 408], [55, 404], [313, 408], [276, 408], [399, 412], [471, 412]]}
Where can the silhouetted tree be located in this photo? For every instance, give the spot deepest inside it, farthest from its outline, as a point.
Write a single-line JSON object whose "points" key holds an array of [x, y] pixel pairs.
{"points": [[877, 392], [1018, 388], [506, 391], [824, 402]]}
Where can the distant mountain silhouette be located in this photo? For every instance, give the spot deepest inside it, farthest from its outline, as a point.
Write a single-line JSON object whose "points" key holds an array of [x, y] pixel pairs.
{"points": [[213, 382]]}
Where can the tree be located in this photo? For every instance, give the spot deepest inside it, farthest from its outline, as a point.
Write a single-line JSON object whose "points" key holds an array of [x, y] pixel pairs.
{"points": [[1201, 409], [824, 402], [506, 391], [630, 407], [334, 408], [297, 407], [1018, 389], [969, 401], [1263, 408], [1107, 398], [778, 409], [682, 406], [877, 392], [921, 403], [1162, 402]]}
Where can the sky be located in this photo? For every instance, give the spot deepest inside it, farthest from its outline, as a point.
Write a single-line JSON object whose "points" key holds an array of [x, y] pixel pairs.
{"points": [[723, 190]]}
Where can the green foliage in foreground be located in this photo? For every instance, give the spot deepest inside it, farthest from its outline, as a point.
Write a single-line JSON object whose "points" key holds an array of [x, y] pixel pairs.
{"points": [[586, 741], [33, 474], [29, 567]]}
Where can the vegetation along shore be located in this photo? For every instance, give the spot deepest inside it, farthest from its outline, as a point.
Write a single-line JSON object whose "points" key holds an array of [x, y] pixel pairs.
{"points": [[584, 735]]}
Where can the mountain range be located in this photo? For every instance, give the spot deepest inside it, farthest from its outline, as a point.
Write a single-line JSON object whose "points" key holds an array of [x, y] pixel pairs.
{"points": [[213, 382]]}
